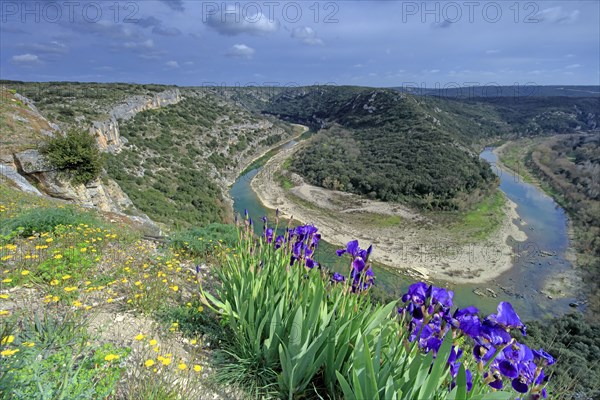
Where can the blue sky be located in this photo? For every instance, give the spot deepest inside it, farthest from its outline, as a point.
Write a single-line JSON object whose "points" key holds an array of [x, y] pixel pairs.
{"points": [[285, 43]]}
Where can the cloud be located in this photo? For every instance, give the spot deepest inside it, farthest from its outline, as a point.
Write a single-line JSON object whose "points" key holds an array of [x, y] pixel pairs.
{"points": [[572, 66], [25, 59], [53, 47], [104, 68], [159, 28], [176, 5], [172, 64], [442, 25], [232, 21], [307, 35], [143, 45], [241, 51], [557, 15], [150, 21], [492, 51], [166, 31]]}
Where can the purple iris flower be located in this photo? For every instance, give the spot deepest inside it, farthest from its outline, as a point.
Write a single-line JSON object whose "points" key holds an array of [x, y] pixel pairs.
{"points": [[417, 292], [269, 235], [440, 296], [264, 219], [336, 277], [543, 358], [279, 241], [507, 317]]}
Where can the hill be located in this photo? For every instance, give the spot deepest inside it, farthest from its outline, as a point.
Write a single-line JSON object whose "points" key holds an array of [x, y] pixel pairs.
{"points": [[420, 150]]}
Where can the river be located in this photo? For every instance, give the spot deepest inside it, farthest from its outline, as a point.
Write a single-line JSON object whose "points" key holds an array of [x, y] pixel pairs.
{"points": [[543, 257]]}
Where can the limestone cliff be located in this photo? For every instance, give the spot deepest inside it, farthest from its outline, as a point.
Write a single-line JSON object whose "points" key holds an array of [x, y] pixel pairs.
{"points": [[107, 132], [23, 165]]}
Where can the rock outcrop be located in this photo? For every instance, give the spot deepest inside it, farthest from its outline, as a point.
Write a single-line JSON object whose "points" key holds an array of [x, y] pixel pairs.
{"points": [[102, 193], [107, 132]]}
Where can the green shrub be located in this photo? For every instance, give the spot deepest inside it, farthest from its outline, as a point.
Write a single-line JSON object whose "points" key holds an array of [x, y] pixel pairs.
{"points": [[77, 154], [46, 220]]}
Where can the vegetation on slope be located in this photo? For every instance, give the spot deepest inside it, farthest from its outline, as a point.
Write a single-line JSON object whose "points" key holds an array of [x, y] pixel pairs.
{"points": [[385, 145], [89, 310], [77, 154], [177, 155], [77, 104]]}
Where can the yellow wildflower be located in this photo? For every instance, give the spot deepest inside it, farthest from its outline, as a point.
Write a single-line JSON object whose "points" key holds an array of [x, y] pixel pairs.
{"points": [[149, 363], [7, 339], [197, 368], [111, 357]]}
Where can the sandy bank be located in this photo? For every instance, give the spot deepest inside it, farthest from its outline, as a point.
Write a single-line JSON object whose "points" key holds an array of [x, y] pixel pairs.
{"points": [[402, 238]]}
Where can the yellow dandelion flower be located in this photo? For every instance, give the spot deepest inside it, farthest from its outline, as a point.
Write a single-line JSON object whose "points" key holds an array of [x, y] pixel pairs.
{"points": [[49, 240], [111, 357], [193, 341], [77, 303], [110, 300], [7, 339], [153, 342], [7, 280], [140, 337], [138, 283], [53, 282], [174, 288], [8, 353], [149, 363], [28, 344], [70, 289], [65, 277], [25, 272], [4, 312], [58, 256], [4, 296], [166, 361], [182, 367], [197, 368]]}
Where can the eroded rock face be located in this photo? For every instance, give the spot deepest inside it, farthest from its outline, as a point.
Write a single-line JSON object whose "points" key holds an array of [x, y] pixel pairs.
{"points": [[104, 194], [107, 132], [31, 161]]}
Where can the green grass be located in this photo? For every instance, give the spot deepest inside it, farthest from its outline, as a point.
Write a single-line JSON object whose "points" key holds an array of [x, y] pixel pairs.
{"points": [[47, 219], [514, 155], [483, 219]]}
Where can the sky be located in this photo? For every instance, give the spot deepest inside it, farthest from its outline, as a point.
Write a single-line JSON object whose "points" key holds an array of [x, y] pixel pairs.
{"points": [[427, 44]]}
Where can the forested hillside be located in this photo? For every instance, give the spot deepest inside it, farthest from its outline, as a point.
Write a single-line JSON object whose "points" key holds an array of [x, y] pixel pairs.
{"points": [[387, 145], [179, 159], [421, 150]]}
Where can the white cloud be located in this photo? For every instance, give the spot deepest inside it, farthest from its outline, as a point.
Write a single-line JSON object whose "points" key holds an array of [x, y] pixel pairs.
{"points": [[557, 15], [232, 21], [241, 50], [166, 31], [572, 66], [146, 44], [307, 35], [52, 47], [172, 64], [25, 59], [492, 51]]}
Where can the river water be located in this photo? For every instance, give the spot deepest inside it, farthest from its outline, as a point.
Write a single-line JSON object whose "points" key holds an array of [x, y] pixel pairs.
{"points": [[547, 232]]}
